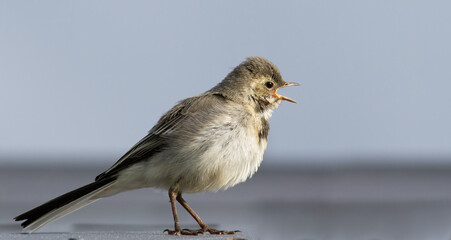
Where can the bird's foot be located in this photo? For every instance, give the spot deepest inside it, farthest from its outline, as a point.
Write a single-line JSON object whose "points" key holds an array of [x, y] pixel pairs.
{"points": [[196, 232], [184, 232], [218, 232]]}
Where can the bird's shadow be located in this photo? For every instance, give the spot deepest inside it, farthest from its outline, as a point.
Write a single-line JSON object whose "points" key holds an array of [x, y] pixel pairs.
{"points": [[83, 227], [152, 229], [10, 227], [16, 228], [89, 227]]}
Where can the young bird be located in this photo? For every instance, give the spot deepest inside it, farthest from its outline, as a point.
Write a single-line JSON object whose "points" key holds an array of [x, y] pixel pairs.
{"points": [[208, 142]]}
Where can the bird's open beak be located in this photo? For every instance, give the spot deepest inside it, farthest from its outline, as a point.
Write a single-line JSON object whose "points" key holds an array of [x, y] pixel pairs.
{"points": [[288, 84]]}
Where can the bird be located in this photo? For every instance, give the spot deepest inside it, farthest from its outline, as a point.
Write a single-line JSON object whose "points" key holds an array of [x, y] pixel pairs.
{"points": [[208, 142]]}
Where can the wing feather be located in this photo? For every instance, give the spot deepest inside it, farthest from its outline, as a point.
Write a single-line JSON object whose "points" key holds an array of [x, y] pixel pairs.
{"points": [[158, 137]]}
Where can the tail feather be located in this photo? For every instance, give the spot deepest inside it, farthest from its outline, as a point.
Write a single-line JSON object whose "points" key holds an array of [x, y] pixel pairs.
{"points": [[63, 205]]}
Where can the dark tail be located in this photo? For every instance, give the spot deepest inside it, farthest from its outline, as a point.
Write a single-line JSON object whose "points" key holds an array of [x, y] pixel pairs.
{"points": [[63, 205]]}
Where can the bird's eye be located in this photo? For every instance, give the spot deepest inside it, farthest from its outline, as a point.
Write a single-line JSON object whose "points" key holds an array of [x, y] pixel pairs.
{"points": [[269, 84]]}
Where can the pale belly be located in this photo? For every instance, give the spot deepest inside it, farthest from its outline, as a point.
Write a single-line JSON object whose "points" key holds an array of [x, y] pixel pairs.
{"points": [[232, 159], [218, 157], [222, 161]]}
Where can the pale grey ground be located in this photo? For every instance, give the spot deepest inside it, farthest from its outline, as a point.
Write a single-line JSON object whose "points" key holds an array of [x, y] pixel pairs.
{"points": [[313, 204]]}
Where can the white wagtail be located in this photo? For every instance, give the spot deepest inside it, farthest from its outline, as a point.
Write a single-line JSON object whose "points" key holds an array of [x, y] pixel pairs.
{"points": [[208, 142]]}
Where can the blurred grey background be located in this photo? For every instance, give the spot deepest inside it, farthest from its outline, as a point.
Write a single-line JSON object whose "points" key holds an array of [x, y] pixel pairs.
{"points": [[365, 154], [89, 78]]}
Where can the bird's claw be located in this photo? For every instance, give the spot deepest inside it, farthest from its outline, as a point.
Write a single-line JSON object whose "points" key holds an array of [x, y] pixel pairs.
{"points": [[183, 232], [220, 232], [195, 232]]}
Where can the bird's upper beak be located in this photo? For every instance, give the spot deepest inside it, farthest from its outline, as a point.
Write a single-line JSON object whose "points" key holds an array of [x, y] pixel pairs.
{"points": [[288, 84]]}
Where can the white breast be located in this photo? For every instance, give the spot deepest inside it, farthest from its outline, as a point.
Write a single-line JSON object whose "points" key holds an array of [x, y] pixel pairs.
{"points": [[221, 155], [234, 158]]}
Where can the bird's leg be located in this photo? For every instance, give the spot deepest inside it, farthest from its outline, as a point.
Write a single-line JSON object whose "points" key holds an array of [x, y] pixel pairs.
{"points": [[172, 196], [204, 227], [173, 193]]}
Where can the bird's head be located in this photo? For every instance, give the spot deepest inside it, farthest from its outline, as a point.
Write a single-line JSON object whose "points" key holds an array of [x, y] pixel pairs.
{"points": [[255, 81]]}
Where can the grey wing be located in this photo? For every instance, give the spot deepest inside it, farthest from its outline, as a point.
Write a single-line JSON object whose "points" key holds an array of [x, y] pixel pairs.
{"points": [[156, 140], [144, 149]]}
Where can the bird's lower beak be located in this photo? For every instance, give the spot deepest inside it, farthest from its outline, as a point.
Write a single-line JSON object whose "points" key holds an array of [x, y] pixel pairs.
{"points": [[288, 84]]}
